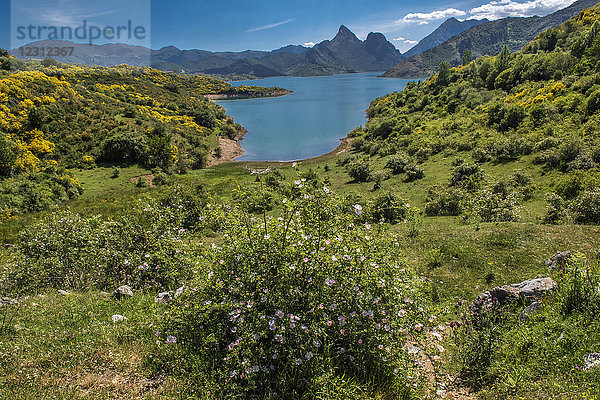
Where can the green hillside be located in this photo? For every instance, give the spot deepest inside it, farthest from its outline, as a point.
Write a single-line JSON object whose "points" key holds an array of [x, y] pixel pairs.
{"points": [[55, 116], [372, 272], [484, 40]]}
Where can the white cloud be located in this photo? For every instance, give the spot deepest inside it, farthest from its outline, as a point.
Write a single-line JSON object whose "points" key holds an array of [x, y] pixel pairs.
{"points": [[406, 41], [424, 18], [508, 8], [269, 26], [309, 44]]}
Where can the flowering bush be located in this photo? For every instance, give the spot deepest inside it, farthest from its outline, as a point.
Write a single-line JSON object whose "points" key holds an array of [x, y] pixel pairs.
{"points": [[285, 300], [489, 206], [70, 251]]}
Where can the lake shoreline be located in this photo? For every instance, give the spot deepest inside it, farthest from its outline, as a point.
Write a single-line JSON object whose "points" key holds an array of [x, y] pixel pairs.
{"points": [[225, 97]]}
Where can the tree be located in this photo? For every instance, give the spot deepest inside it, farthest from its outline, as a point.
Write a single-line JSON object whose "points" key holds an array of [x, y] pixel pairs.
{"points": [[159, 142], [7, 156], [503, 59], [444, 74], [467, 57]]}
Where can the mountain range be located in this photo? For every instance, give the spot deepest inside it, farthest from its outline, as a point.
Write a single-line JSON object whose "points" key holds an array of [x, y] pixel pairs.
{"points": [[484, 39], [343, 54]]}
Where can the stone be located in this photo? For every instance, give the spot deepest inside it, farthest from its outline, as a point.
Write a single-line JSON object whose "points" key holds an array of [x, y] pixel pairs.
{"points": [[559, 260], [530, 310], [163, 298], [64, 292], [529, 291], [534, 289], [121, 292], [591, 360]]}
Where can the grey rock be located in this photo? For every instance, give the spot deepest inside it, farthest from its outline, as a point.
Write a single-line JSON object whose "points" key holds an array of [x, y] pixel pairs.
{"points": [[163, 298], [559, 260], [121, 292], [591, 360], [534, 289], [529, 291], [7, 301], [105, 294], [530, 310]]}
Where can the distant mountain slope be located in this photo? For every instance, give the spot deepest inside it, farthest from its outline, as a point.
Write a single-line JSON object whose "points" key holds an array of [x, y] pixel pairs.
{"points": [[344, 53], [484, 39], [450, 28]]}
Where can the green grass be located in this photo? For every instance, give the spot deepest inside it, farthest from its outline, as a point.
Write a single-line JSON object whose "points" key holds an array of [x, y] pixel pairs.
{"points": [[68, 347]]}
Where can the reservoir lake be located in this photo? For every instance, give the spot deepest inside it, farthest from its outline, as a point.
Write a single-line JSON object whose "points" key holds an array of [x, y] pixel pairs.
{"points": [[310, 121]]}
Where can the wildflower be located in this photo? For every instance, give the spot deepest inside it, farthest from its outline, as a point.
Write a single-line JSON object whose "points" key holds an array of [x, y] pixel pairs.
{"points": [[342, 320], [359, 341], [221, 262], [418, 326], [171, 339], [387, 328], [267, 237], [352, 359], [326, 190], [118, 318], [358, 209], [380, 347], [377, 326], [279, 338], [298, 361], [329, 323], [401, 313], [329, 282], [272, 325], [316, 343], [279, 314], [305, 259], [367, 226], [309, 355]]}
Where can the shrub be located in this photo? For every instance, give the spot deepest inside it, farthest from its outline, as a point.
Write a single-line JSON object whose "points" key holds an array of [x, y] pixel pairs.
{"points": [[397, 164], [414, 172], [489, 206], [444, 201], [125, 149], [378, 177], [359, 170], [467, 176], [556, 208], [586, 207], [388, 208], [282, 303], [161, 179], [72, 252]]}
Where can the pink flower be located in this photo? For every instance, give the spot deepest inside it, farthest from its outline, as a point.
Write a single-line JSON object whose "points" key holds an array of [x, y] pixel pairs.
{"points": [[418, 326], [329, 323]]}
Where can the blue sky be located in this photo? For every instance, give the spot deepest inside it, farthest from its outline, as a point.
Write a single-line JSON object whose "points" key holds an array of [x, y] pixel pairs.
{"points": [[236, 25]]}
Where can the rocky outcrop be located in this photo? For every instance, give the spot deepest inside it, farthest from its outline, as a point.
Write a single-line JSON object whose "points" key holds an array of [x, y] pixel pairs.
{"points": [[529, 291]]}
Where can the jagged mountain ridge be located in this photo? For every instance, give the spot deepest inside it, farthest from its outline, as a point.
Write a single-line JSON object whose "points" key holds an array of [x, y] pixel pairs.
{"points": [[485, 39]]}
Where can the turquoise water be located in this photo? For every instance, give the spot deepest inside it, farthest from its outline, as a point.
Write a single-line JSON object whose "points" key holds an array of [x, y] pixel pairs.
{"points": [[310, 121]]}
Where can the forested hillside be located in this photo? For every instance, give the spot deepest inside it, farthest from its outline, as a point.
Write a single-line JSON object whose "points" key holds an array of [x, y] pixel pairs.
{"points": [[538, 106], [55, 116], [484, 40]]}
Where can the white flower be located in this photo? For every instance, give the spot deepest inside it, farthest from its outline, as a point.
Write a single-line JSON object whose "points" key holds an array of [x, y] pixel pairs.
{"points": [[171, 339], [118, 318], [358, 209]]}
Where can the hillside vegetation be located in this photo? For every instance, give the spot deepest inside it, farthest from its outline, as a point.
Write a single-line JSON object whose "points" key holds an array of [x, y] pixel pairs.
{"points": [[55, 116], [361, 274], [537, 107], [486, 39]]}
